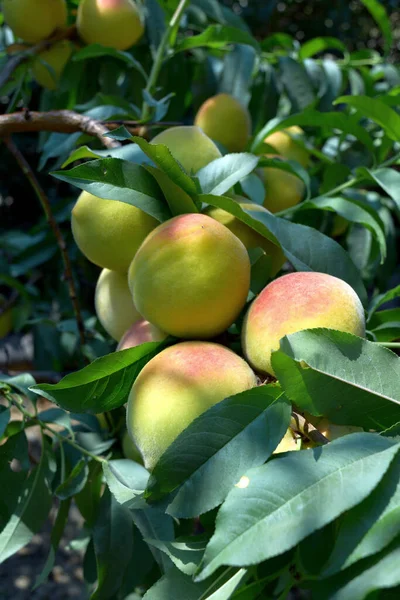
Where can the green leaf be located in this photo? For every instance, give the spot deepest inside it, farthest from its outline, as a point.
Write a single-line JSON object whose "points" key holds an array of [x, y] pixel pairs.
{"points": [[130, 152], [98, 51], [340, 376], [31, 509], [113, 545], [185, 554], [222, 174], [155, 524], [162, 157], [369, 527], [21, 383], [324, 483], [220, 445], [175, 584], [297, 83], [102, 385], [88, 499], [55, 538], [320, 44], [313, 118], [127, 481], [75, 481], [4, 419], [217, 36], [56, 416], [305, 247], [116, 179], [377, 111], [379, 14], [388, 180], [377, 301], [353, 211], [179, 201]]}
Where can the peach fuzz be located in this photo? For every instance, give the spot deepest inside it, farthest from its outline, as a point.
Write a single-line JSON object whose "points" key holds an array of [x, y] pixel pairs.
{"points": [[294, 302], [139, 333], [190, 277], [224, 119], [175, 387]]}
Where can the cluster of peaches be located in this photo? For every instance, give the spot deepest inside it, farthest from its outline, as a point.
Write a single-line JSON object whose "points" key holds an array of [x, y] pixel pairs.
{"points": [[189, 278]]}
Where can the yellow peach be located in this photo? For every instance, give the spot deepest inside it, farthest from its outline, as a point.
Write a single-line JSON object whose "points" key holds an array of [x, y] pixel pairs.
{"points": [[139, 333], [248, 236], [189, 146], [190, 277], [114, 305], [109, 232], [225, 120], [175, 387], [294, 302], [282, 189], [34, 20], [285, 144], [113, 23], [49, 65]]}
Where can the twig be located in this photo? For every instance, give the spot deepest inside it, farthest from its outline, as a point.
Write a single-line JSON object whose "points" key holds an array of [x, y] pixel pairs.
{"points": [[308, 430], [29, 51], [60, 121], [44, 201]]}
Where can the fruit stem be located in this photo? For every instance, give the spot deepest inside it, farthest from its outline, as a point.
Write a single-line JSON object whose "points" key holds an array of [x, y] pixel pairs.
{"points": [[165, 44], [389, 344]]}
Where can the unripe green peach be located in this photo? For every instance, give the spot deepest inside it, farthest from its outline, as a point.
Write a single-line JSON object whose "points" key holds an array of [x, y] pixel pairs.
{"points": [[340, 224], [114, 305], [285, 144], [294, 302], [139, 333], [190, 277], [56, 58], [225, 120], [175, 387], [288, 443], [282, 189], [109, 232], [34, 20], [247, 235], [113, 23], [188, 145]]}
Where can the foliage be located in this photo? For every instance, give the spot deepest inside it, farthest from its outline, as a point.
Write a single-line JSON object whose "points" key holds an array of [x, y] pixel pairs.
{"points": [[233, 520]]}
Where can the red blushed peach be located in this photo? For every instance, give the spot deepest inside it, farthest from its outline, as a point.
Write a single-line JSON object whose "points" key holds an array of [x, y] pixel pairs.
{"points": [[139, 333], [190, 277], [294, 302], [175, 387]]}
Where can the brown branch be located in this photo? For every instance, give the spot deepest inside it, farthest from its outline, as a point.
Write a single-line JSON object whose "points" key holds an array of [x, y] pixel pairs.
{"points": [[60, 121], [306, 429], [26, 52], [44, 201]]}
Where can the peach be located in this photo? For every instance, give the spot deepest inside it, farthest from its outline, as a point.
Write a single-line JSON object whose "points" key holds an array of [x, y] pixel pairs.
{"points": [[175, 387], [113, 303], [109, 232], [285, 144], [113, 23], [189, 146], [294, 302], [247, 235], [48, 65], [190, 277], [139, 333], [225, 120], [34, 20], [282, 189]]}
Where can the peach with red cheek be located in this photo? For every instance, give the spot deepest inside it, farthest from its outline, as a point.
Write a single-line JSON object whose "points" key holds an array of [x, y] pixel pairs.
{"points": [[175, 387], [294, 302], [190, 277], [139, 333]]}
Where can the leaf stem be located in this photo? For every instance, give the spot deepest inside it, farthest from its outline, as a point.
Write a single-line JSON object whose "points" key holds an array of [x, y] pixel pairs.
{"points": [[159, 58], [389, 344]]}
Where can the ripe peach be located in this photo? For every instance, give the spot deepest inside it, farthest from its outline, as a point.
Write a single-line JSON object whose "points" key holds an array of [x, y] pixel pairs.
{"points": [[189, 146], [113, 23], [294, 302], [139, 333], [190, 277], [109, 232], [247, 235], [34, 20], [225, 120], [285, 144], [114, 305], [175, 387], [282, 189]]}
